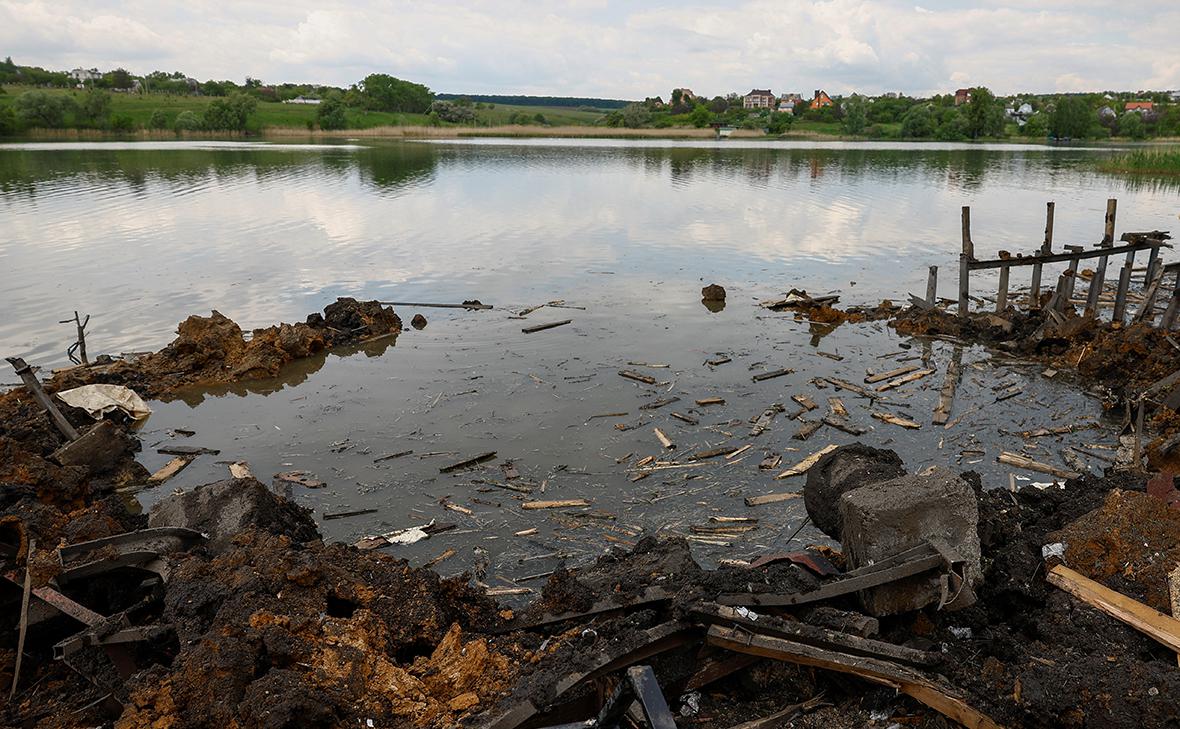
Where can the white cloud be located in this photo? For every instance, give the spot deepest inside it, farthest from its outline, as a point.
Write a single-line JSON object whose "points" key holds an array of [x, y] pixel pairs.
{"points": [[602, 48]]}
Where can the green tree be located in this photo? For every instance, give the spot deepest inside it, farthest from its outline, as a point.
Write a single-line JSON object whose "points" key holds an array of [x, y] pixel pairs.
{"points": [[918, 122], [1037, 126], [386, 93], [122, 123], [1131, 125], [780, 123], [231, 113], [331, 113], [952, 126], [453, 112], [158, 120], [983, 114], [700, 116], [95, 108], [120, 78], [41, 109], [636, 116], [1070, 118], [855, 115], [187, 121], [8, 123]]}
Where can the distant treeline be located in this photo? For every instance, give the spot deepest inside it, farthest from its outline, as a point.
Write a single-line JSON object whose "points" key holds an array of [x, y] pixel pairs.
{"points": [[520, 100]]}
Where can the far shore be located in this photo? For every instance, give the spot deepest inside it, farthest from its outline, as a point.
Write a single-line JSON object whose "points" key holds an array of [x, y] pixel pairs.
{"points": [[520, 131]]}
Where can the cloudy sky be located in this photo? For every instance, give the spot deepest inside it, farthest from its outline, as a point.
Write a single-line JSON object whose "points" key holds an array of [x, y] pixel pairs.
{"points": [[618, 49]]}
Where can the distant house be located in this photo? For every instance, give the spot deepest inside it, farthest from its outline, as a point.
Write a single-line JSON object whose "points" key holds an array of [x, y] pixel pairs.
{"points": [[1107, 114], [758, 99], [962, 96], [1174, 95], [1025, 110], [81, 75], [820, 100], [786, 106], [302, 100], [1139, 106], [686, 95]]}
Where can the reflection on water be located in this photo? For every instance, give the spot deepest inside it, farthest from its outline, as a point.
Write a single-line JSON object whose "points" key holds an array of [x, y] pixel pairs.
{"points": [[141, 236]]}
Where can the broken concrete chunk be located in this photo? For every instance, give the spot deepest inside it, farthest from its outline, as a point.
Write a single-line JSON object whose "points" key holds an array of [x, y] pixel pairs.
{"points": [[888, 517], [713, 292], [100, 449], [224, 508], [846, 468]]}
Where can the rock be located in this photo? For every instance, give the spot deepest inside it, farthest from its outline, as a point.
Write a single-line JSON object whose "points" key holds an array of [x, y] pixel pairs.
{"points": [[713, 292], [224, 508], [846, 468], [418, 322], [463, 702], [882, 519], [99, 449]]}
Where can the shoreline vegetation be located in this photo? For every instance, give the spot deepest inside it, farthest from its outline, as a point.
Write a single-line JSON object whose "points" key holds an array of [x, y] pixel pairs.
{"points": [[1145, 162]]}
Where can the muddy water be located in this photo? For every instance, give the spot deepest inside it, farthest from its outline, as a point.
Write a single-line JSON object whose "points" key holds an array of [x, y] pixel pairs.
{"points": [[142, 235]]}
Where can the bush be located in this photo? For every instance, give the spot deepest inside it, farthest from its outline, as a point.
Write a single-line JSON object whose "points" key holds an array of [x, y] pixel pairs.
{"points": [[95, 108], [8, 122], [1131, 125], [187, 121], [454, 112], [41, 109], [230, 114], [918, 122], [331, 114], [158, 120], [122, 123]]}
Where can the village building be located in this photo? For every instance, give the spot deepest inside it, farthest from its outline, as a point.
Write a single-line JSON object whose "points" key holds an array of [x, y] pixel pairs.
{"points": [[81, 75], [1139, 106], [821, 99], [962, 96], [758, 99]]}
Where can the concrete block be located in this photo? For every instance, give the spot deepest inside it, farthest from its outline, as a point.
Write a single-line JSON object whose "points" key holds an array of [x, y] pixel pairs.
{"points": [[224, 508], [884, 518], [848, 467], [100, 449]]}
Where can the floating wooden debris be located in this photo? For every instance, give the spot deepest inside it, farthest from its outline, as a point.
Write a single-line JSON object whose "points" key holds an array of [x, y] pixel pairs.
{"points": [[170, 469], [665, 441], [905, 379], [473, 305], [844, 425], [638, 377], [1009, 393], [946, 396], [656, 405], [836, 407], [686, 418], [182, 450], [300, 478], [391, 456], [710, 453], [1019, 461], [738, 452], [543, 327], [771, 462], [803, 466], [896, 420], [771, 499], [346, 514], [765, 419], [891, 374], [845, 385], [606, 415], [556, 504], [447, 554], [457, 508], [718, 362], [705, 401], [468, 463], [805, 402], [240, 469], [807, 429], [830, 355], [526, 532], [771, 375]]}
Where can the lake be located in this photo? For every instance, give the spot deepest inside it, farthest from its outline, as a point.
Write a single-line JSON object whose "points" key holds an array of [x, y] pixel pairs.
{"points": [[140, 235]]}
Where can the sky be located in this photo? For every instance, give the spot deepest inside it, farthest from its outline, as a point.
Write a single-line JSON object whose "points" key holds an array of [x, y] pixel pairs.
{"points": [[628, 50]]}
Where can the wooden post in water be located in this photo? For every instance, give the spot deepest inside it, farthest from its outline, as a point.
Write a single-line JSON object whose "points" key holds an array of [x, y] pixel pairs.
{"points": [[1046, 249], [1169, 319], [1099, 279], [1120, 298], [1002, 294], [932, 286], [1073, 274], [965, 258]]}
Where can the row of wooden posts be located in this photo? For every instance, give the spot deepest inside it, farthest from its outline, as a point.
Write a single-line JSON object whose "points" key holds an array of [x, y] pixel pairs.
{"points": [[1063, 293]]}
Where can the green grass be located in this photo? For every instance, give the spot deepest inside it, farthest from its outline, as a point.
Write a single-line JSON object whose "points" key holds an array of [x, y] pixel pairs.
{"points": [[1145, 162], [555, 115]]}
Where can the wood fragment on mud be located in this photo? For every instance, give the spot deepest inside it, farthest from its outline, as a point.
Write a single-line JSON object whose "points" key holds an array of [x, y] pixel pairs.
{"points": [[803, 466], [896, 420], [555, 504], [771, 375], [1019, 461], [665, 441], [638, 377], [543, 327], [468, 463]]}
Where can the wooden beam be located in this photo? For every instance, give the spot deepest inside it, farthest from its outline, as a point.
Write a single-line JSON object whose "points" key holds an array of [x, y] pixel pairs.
{"points": [[946, 396], [1046, 250], [885, 673], [1077, 253], [33, 385], [1151, 623], [965, 259], [1002, 293], [932, 286], [1019, 461]]}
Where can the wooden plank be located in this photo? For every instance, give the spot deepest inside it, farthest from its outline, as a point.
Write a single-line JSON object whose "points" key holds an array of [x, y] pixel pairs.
{"points": [[705, 401], [1046, 250], [1146, 620], [543, 327], [1002, 293], [1076, 254], [468, 463], [891, 374], [240, 469], [1120, 297], [1019, 461], [554, 504], [638, 377], [33, 385], [932, 286], [803, 466], [665, 441], [836, 407], [807, 429], [651, 699], [1147, 308], [896, 420], [946, 396], [845, 385], [805, 402], [472, 305], [170, 469], [770, 499], [885, 673], [905, 380], [770, 375]]}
